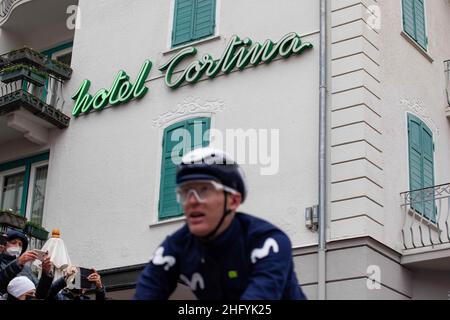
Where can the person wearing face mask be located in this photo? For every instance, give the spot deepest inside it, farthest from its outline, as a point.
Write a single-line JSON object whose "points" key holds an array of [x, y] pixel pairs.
{"points": [[14, 260]]}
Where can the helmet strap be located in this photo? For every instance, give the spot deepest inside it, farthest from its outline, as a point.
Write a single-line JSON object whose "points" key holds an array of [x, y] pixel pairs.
{"points": [[226, 212]]}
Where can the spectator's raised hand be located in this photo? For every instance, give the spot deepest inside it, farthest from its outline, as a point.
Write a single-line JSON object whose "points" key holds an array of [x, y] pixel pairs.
{"points": [[47, 265], [95, 277], [69, 271], [27, 257]]}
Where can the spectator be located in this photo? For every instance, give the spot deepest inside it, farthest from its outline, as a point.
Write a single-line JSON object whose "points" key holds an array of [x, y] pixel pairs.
{"points": [[76, 293], [14, 260], [21, 288]]}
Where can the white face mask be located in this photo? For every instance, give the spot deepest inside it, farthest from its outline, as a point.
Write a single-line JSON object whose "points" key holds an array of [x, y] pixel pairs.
{"points": [[14, 251]]}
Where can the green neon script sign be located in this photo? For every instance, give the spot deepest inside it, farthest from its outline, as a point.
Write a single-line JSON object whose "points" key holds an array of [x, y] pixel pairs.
{"points": [[122, 91], [238, 55]]}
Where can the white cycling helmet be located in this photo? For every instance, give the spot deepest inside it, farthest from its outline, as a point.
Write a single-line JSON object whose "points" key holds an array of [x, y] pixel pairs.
{"points": [[212, 164]]}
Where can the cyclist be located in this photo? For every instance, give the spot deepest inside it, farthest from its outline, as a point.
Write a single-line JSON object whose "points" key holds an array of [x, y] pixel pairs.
{"points": [[219, 253]]}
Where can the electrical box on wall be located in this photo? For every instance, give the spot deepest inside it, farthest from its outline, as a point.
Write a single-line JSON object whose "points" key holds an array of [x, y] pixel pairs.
{"points": [[312, 218]]}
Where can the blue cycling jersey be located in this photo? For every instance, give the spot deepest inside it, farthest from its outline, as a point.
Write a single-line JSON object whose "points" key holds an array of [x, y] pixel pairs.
{"points": [[250, 260]]}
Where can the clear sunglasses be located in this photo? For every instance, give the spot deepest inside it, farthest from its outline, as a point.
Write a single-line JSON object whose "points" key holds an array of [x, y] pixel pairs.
{"points": [[201, 189]]}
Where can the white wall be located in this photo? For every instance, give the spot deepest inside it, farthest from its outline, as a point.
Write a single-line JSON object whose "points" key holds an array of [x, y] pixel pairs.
{"points": [[356, 163], [411, 83], [17, 149], [432, 285], [37, 24], [103, 181], [377, 76], [8, 41]]}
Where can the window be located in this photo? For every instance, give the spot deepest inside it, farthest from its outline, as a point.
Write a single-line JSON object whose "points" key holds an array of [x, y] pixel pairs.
{"points": [[12, 191], [65, 58], [16, 179], [38, 197], [193, 20], [53, 88], [62, 53], [414, 21], [421, 167], [179, 139]]}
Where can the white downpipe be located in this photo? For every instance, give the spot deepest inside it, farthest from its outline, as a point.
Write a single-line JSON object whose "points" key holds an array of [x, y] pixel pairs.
{"points": [[321, 281]]}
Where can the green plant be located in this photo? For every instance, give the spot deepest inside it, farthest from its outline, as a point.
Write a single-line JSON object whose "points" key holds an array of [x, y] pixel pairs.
{"points": [[60, 64], [12, 218], [16, 67], [11, 211], [35, 231], [35, 225], [61, 69], [29, 50]]}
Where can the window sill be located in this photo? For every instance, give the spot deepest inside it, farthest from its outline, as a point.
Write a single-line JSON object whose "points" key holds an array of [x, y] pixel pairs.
{"points": [[190, 44], [166, 222], [417, 46]]}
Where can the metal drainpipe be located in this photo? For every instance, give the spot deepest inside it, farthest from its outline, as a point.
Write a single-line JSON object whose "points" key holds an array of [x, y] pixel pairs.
{"points": [[321, 287]]}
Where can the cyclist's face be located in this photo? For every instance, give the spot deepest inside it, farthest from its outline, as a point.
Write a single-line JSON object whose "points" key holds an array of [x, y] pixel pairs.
{"points": [[203, 216]]}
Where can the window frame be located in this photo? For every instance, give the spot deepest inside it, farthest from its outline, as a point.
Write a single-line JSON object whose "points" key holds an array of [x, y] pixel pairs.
{"points": [[171, 46], [19, 165], [414, 39], [58, 50], [34, 167], [7, 173]]}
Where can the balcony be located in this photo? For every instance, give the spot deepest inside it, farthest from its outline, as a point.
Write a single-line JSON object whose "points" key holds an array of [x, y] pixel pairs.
{"points": [[36, 235], [426, 228], [31, 97], [6, 8], [18, 14]]}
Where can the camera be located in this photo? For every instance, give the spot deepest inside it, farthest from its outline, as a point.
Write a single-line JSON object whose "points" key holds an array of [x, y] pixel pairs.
{"points": [[41, 254]]}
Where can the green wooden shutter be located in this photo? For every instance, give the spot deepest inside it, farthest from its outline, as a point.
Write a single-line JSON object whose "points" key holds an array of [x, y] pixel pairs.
{"points": [[183, 21], [419, 15], [193, 20], [197, 127], [428, 172], [205, 14], [174, 138], [421, 166], [414, 21], [415, 162], [408, 18], [168, 205]]}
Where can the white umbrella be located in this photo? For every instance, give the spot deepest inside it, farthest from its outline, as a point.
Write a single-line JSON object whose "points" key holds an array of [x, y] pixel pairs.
{"points": [[57, 252]]}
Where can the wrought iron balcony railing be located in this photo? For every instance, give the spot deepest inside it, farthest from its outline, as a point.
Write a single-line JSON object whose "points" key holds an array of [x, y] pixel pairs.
{"points": [[6, 6], [45, 102], [426, 215], [33, 242]]}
